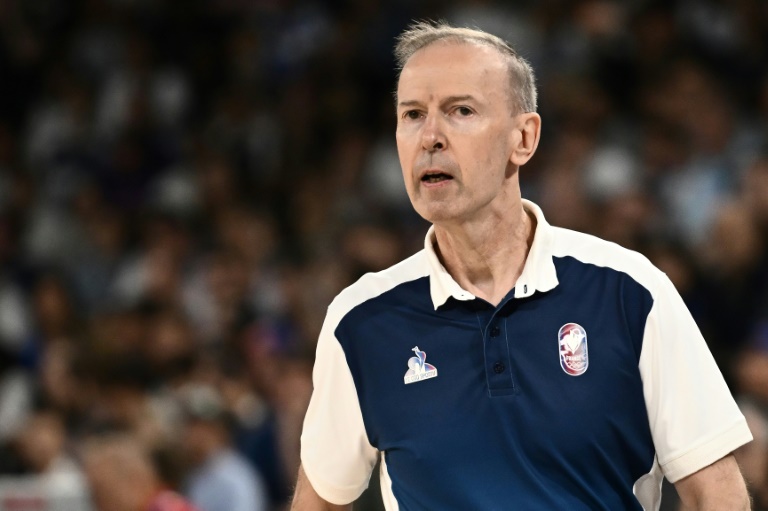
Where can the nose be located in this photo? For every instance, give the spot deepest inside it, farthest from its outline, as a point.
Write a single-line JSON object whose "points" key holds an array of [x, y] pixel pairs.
{"points": [[432, 137]]}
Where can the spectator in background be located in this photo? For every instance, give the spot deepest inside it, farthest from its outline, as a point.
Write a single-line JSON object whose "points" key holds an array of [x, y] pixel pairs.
{"points": [[220, 478], [61, 386], [16, 394], [735, 275], [48, 471], [122, 476], [123, 399], [56, 319], [750, 363]]}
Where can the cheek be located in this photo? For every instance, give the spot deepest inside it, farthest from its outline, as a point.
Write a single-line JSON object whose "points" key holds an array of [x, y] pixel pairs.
{"points": [[494, 155], [402, 139], [405, 156]]}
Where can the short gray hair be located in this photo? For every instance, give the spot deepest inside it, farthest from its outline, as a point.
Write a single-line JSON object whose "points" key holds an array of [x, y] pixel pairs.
{"points": [[422, 34]]}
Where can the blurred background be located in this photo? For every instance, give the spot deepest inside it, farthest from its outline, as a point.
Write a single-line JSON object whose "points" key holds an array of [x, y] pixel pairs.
{"points": [[186, 184]]}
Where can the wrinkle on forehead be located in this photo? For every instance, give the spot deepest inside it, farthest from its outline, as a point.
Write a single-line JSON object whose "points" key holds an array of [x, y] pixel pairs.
{"points": [[462, 73], [493, 59]]}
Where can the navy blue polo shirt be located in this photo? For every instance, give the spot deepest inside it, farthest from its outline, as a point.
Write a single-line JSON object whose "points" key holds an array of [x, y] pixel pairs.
{"points": [[580, 390]]}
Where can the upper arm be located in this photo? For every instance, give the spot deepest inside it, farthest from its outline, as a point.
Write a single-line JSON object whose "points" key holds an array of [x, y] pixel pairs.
{"points": [[717, 486], [305, 498], [693, 417], [336, 454]]}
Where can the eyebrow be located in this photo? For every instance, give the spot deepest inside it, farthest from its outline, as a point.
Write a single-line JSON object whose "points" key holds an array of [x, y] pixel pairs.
{"points": [[412, 102], [449, 99]]}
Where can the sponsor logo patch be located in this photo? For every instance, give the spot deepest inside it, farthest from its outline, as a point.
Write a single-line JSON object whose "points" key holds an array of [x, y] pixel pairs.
{"points": [[418, 369], [574, 358]]}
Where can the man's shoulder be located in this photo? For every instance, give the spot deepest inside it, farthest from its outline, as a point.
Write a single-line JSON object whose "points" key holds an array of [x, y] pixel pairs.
{"points": [[591, 250], [374, 284]]}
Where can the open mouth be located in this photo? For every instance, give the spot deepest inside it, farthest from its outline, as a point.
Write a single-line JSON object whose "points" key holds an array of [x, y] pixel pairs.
{"points": [[435, 177]]}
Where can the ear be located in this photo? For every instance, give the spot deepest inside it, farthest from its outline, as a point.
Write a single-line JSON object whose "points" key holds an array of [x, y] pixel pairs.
{"points": [[525, 138]]}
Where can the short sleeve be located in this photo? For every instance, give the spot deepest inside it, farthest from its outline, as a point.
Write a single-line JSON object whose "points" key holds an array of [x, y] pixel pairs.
{"points": [[693, 417], [335, 452]]}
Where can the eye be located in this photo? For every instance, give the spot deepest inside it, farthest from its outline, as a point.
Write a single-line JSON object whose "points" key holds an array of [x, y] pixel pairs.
{"points": [[411, 114], [464, 111]]}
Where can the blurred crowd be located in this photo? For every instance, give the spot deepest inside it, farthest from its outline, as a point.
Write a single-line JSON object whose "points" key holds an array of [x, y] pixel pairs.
{"points": [[186, 184]]}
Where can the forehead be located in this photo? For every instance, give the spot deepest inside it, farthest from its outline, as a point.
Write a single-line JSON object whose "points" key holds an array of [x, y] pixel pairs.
{"points": [[453, 68]]}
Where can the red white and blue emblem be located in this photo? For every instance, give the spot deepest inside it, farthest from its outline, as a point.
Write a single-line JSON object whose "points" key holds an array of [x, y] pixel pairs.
{"points": [[574, 358]]}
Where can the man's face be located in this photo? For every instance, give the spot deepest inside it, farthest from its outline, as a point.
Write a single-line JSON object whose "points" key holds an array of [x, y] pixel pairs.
{"points": [[455, 131]]}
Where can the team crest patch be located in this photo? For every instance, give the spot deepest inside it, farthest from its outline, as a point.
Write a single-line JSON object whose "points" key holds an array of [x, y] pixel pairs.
{"points": [[574, 358], [418, 369]]}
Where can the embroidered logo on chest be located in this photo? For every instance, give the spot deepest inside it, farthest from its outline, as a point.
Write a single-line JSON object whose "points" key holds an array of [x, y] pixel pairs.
{"points": [[574, 358], [418, 369]]}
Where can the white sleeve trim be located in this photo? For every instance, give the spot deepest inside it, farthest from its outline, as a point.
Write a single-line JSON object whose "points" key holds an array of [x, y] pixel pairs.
{"points": [[720, 445], [339, 495], [335, 452], [693, 417]]}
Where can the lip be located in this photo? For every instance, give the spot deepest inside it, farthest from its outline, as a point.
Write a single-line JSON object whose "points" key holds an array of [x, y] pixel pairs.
{"points": [[426, 172], [438, 184]]}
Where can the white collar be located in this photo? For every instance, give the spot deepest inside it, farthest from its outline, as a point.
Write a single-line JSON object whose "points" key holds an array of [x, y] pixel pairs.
{"points": [[538, 274]]}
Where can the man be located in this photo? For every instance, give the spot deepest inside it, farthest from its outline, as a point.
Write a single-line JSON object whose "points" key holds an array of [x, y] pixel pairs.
{"points": [[122, 476], [51, 476], [568, 373], [220, 479]]}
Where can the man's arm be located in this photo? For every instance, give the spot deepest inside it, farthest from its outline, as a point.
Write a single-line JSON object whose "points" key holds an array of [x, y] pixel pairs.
{"points": [[718, 486], [305, 498]]}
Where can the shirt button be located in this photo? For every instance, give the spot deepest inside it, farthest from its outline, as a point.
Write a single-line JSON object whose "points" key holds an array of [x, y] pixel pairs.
{"points": [[495, 331], [498, 368]]}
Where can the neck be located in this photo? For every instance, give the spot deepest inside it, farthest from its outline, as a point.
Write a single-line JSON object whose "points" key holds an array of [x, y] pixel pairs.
{"points": [[487, 257]]}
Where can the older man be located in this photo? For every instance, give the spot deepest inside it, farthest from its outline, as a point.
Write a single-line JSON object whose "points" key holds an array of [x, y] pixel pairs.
{"points": [[565, 371]]}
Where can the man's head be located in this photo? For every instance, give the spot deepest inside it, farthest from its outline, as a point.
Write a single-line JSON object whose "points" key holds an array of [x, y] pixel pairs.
{"points": [[522, 83], [207, 423], [465, 123], [41, 441]]}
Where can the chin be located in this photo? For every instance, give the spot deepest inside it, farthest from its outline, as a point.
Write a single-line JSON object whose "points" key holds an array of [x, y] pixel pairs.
{"points": [[437, 215]]}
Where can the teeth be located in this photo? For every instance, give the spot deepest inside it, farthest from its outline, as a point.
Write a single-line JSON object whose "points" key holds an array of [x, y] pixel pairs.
{"points": [[434, 178]]}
